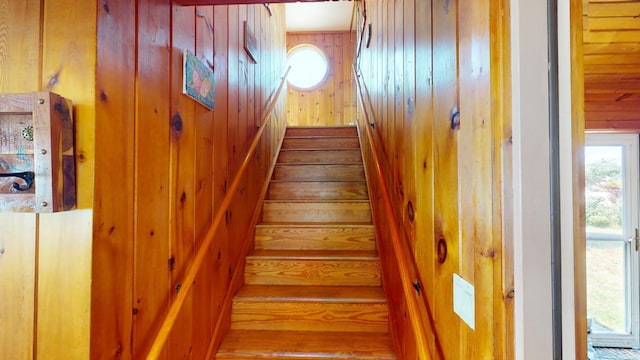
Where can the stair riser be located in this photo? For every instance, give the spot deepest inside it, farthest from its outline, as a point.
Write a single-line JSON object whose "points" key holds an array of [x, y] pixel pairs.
{"points": [[355, 212], [321, 143], [261, 271], [320, 156], [322, 131], [317, 191], [315, 238], [319, 172], [309, 316]]}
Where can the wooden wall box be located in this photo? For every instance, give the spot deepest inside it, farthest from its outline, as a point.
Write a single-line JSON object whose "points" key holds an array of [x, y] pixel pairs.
{"points": [[36, 143]]}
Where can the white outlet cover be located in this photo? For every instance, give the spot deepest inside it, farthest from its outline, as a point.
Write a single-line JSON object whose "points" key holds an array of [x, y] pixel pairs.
{"points": [[464, 300]]}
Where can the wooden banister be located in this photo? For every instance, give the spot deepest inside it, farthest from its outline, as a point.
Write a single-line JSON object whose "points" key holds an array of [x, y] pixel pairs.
{"points": [[176, 306], [405, 261]]}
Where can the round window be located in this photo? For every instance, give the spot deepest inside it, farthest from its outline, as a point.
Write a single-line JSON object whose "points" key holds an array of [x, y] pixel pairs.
{"points": [[309, 67]]}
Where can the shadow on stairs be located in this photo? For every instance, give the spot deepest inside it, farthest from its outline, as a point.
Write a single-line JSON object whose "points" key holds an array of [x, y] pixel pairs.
{"points": [[312, 286]]}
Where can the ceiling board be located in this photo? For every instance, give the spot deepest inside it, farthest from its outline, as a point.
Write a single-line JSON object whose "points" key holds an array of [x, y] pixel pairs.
{"points": [[319, 16]]}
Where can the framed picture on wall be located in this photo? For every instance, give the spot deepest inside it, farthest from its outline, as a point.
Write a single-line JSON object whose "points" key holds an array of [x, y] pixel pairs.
{"points": [[197, 80]]}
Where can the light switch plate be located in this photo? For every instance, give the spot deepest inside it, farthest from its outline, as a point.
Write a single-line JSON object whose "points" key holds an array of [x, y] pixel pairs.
{"points": [[464, 300]]}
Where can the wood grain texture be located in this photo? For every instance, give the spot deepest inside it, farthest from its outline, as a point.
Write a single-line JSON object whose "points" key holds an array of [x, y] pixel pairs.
{"points": [[320, 143], [318, 237], [320, 156], [289, 268], [356, 211], [20, 51], [64, 286], [151, 236], [17, 288], [111, 291], [610, 36], [181, 175], [204, 182], [429, 58], [476, 217], [340, 131], [578, 181], [323, 276], [316, 315], [314, 172], [323, 346], [294, 190], [124, 94], [331, 103]]}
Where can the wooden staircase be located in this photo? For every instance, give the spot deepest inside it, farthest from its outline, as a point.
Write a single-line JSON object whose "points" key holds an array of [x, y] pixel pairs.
{"points": [[313, 283]]}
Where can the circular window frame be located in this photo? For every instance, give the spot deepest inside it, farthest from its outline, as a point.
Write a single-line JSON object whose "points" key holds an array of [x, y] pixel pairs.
{"points": [[319, 52]]}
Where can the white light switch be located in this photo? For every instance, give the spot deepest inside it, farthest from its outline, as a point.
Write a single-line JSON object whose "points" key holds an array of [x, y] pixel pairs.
{"points": [[464, 300]]}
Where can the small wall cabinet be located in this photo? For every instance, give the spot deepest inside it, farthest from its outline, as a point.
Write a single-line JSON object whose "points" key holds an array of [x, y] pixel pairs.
{"points": [[37, 166]]}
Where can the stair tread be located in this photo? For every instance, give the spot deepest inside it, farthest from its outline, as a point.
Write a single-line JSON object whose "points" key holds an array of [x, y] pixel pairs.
{"points": [[315, 225], [318, 201], [307, 293], [349, 182], [321, 137], [303, 163], [315, 254], [316, 345]]}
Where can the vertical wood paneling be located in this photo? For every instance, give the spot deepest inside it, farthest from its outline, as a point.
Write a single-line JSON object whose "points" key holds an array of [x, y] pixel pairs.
{"points": [[161, 168], [20, 69], [220, 266], [182, 175], [68, 68], [20, 51], [111, 292], [17, 288], [204, 180], [476, 214], [425, 245], [64, 291], [333, 102], [502, 180], [427, 59], [151, 265], [578, 179], [63, 286], [445, 98]]}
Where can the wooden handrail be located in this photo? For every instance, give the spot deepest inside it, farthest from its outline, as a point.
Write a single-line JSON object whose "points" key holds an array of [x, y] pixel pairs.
{"points": [[401, 250], [176, 306]]}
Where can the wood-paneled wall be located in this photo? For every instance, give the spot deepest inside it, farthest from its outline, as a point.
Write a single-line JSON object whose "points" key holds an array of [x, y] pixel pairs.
{"points": [[152, 168], [177, 159], [333, 102], [611, 35], [45, 260], [429, 60]]}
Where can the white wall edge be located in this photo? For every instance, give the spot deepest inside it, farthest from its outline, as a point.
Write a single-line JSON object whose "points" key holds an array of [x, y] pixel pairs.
{"points": [[530, 117]]}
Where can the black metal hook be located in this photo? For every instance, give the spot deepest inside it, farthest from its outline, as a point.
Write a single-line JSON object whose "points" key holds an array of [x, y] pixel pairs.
{"points": [[27, 176]]}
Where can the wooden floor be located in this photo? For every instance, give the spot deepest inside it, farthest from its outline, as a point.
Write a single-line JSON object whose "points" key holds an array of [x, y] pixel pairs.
{"points": [[313, 283]]}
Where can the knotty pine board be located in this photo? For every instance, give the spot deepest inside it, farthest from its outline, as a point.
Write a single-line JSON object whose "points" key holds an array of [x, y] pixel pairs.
{"points": [[333, 102], [429, 177], [111, 292]]}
